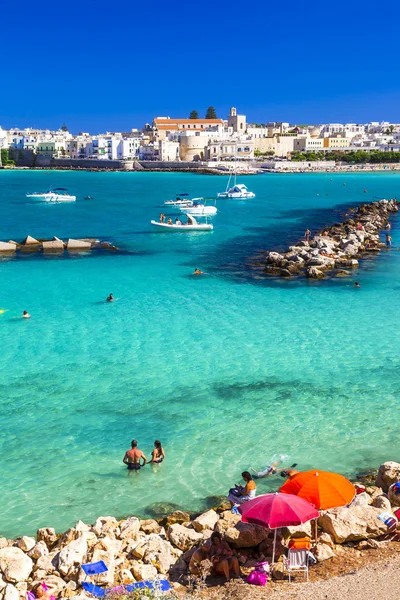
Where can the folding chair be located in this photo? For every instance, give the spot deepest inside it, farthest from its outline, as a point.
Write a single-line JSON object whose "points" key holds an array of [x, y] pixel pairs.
{"points": [[94, 569], [297, 560]]}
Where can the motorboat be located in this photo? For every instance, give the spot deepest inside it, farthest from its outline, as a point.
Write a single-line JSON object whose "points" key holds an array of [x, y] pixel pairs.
{"points": [[198, 208], [191, 225], [56, 195], [238, 191], [180, 200]]}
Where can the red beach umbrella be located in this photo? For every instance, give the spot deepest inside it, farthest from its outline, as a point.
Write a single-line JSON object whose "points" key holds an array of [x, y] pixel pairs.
{"points": [[277, 510]]}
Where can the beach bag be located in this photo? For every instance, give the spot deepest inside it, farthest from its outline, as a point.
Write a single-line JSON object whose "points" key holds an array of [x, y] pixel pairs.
{"points": [[235, 492], [389, 520], [259, 576]]}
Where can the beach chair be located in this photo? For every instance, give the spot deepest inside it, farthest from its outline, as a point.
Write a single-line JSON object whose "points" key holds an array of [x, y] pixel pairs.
{"points": [[297, 560], [93, 569]]}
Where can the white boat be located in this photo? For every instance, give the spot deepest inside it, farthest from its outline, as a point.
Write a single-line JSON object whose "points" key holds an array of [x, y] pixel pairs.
{"points": [[191, 225], [238, 191], [56, 195], [180, 200], [198, 208]]}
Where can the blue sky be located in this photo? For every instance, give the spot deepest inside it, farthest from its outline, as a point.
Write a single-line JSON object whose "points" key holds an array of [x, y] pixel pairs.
{"points": [[98, 65]]}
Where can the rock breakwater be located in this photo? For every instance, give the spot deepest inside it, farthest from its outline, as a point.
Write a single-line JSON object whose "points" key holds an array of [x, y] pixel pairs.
{"points": [[136, 550], [31, 244], [336, 248]]}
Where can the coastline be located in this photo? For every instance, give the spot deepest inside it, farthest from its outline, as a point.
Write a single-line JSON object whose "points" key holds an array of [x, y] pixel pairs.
{"points": [[349, 538]]}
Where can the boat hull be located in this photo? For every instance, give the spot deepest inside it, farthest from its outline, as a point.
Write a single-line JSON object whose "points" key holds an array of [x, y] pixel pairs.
{"points": [[200, 211], [52, 197], [236, 195], [180, 228]]}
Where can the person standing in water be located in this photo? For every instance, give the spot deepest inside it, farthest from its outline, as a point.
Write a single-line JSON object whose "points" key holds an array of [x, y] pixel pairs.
{"points": [[110, 298], [307, 235], [132, 457], [158, 454], [388, 240], [26, 315]]}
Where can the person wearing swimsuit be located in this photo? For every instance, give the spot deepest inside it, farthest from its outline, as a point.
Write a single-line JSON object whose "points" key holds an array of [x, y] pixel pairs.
{"points": [[158, 454], [132, 457]]}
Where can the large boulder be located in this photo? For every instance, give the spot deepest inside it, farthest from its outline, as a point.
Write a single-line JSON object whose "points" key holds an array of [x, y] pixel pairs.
{"points": [[15, 564], [315, 273], [8, 247], [323, 552], [26, 543], [108, 558], [129, 529], [182, 537], [39, 549], [150, 526], [72, 555], [143, 572], [299, 531], [352, 524], [239, 534], [78, 244], [105, 526], [10, 592], [274, 258], [48, 562], [207, 520], [388, 473], [382, 502], [160, 553], [177, 516], [47, 535]]}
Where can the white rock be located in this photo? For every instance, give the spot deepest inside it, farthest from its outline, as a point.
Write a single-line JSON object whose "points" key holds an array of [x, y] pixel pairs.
{"points": [[10, 592], [15, 565], [110, 545], [26, 543], [78, 245], [30, 240], [382, 502], [303, 530], [40, 549], [81, 526], [126, 577], [182, 537], [22, 588], [360, 500], [53, 245], [143, 572], [48, 562], [47, 535], [323, 552], [105, 525], [352, 524], [388, 473], [72, 554], [7, 247], [325, 538], [238, 534], [3, 542], [129, 528], [108, 558], [207, 520], [160, 553]]}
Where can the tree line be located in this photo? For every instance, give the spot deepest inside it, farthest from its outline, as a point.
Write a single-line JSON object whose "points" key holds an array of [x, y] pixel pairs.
{"points": [[353, 157], [211, 113]]}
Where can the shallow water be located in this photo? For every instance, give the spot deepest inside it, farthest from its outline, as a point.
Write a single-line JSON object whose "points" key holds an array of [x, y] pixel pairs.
{"points": [[227, 369]]}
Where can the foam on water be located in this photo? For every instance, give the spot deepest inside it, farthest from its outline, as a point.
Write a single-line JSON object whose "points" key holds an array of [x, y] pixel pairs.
{"points": [[227, 370]]}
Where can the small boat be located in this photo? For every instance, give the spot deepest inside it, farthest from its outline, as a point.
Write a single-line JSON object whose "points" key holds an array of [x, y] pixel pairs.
{"points": [[198, 208], [191, 225], [89, 198], [238, 191], [180, 200], [56, 195]]}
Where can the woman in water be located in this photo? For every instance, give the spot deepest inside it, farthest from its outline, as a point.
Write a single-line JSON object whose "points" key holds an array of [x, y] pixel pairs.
{"points": [[240, 494], [158, 454]]}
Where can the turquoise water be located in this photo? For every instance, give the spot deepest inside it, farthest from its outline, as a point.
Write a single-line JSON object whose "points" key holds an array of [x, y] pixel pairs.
{"points": [[227, 370]]}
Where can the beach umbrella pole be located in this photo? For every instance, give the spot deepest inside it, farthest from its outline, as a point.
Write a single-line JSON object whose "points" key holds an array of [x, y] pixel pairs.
{"points": [[273, 549]]}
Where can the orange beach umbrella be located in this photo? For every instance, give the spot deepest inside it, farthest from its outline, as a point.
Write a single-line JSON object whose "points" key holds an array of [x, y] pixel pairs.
{"points": [[321, 488]]}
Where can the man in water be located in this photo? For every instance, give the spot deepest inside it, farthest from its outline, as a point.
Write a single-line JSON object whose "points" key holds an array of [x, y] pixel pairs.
{"points": [[198, 272], [26, 315], [132, 457], [357, 285], [271, 470], [388, 240], [110, 298]]}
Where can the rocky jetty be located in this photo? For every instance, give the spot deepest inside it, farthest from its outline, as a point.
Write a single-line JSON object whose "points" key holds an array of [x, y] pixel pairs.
{"points": [[136, 550], [31, 244], [337, 248]]}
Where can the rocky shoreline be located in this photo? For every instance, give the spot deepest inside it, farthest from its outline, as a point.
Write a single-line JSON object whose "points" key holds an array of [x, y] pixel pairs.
{"points": [[137, 550], [336, 248]]}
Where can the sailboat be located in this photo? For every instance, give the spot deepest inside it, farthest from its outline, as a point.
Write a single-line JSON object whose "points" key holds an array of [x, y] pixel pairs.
{"points": [[238, 190]]}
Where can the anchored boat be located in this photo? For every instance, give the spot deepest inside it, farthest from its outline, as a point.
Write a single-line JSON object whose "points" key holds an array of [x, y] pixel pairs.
{"points": [[56, 195], [198, 208]]}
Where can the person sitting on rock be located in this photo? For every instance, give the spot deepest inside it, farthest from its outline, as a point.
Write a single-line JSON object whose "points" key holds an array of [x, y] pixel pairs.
{"points": [[240, 494], [198, 557], [222, 557]]}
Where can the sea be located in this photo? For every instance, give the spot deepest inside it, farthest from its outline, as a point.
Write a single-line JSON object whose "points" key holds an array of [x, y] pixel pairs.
{"points": [[230, 370]]}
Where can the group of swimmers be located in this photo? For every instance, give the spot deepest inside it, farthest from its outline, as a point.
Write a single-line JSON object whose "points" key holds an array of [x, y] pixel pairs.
{"points": [[135, 458]]}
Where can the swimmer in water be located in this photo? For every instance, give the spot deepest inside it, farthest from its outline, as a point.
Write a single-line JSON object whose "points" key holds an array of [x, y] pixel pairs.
{"points": [[26, 315], [357, 285], [110, 298], [198, 272], [271, 470]]}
